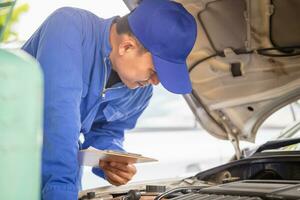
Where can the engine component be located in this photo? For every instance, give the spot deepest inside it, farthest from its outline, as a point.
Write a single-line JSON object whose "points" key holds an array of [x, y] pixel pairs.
{"points": [[132, 195], [194, 196], [155, 188]]}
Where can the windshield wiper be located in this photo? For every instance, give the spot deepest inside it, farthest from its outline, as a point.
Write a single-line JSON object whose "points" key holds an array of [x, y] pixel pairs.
{"points": [[275, 144]]}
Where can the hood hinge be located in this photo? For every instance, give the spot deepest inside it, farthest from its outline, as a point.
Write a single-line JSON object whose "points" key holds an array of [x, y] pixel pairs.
{"points": [[231, 134], [236, 144]]}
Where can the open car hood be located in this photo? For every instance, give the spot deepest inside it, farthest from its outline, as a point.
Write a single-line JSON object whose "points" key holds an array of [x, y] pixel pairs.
{"points": [[245, 64]]}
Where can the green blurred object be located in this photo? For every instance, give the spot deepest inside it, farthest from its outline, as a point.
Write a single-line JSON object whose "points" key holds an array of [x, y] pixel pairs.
{"points": [[21, 99], [9, 35], [6, 10]]}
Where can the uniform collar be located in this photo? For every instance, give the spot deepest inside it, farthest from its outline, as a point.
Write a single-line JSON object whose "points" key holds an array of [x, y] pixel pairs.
{"points": [[117, 89]]}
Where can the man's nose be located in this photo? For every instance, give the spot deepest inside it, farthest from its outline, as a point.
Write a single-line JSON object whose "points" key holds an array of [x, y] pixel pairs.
{"points": [[154, 80]]}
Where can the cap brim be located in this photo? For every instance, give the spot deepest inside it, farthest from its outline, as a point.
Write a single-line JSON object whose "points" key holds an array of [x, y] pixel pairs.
{"points": [[173, 76]]}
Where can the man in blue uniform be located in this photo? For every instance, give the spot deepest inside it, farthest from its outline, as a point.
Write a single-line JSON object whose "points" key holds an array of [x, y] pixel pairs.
{"points": [[98, 78]]}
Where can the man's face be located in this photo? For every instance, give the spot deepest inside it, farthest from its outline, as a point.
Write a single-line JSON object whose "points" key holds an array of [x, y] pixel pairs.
{"points": [[135, 68]]}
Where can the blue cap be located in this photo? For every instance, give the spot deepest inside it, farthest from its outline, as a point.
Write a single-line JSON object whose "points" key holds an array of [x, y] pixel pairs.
{"points": [[169, 32]]}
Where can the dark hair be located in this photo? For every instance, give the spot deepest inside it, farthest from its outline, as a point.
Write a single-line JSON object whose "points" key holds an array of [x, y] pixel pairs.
{"points": [[123, 27]]}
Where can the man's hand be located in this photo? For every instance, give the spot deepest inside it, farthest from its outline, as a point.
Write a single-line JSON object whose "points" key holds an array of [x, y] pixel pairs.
{"points": [[117, 173]]}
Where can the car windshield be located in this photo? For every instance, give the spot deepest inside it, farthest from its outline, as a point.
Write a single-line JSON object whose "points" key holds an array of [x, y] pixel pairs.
{"points": [[282, 124], [291, 132]]}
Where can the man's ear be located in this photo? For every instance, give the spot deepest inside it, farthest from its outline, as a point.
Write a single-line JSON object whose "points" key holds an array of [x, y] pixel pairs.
{"points": [[126, 45]]}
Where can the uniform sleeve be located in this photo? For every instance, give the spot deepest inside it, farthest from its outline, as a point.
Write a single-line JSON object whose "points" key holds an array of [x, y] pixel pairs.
{"points": [[59, 53], [110, 134]]}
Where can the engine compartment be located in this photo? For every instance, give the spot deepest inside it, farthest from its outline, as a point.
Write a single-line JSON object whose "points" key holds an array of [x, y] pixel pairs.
{"points": [[267, 175], [246, 190], [263, 166]]}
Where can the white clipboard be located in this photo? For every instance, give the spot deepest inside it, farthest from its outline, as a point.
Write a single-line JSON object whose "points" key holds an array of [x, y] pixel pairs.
{"points": [[91, 156]]}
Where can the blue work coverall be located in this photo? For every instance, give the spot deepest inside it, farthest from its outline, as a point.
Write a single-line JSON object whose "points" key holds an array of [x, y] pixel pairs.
{"points": [[73, 48]]}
